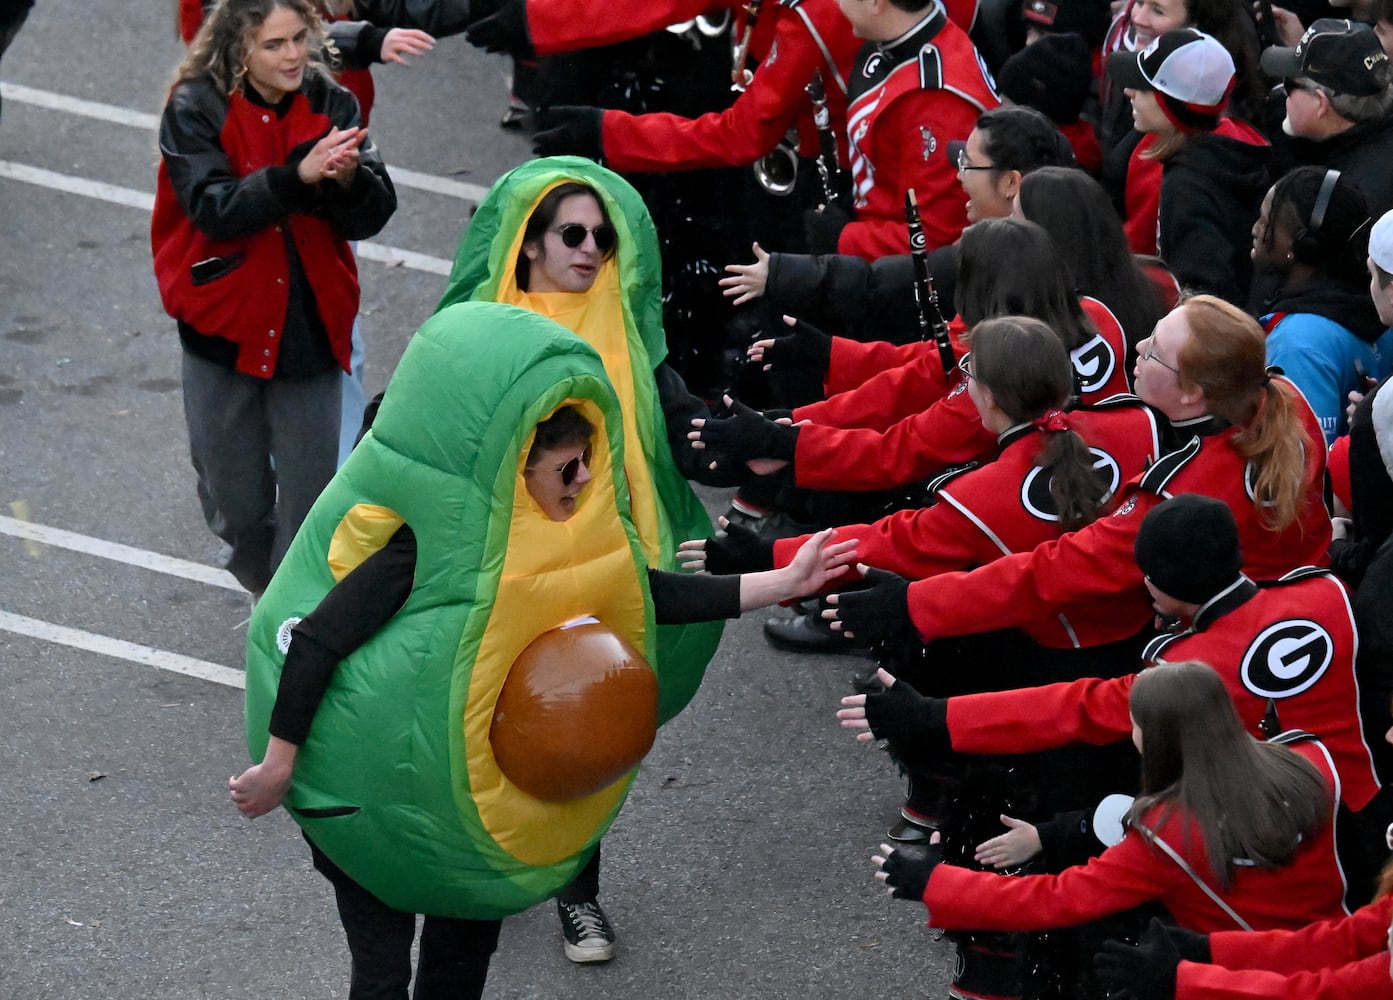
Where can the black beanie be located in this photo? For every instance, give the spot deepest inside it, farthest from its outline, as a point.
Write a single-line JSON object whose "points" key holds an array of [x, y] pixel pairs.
{"points": [[1188, 548], [1052, 74]]}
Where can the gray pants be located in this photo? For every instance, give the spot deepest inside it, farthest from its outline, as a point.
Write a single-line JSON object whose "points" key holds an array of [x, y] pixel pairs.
{"points": [[263, 450]]}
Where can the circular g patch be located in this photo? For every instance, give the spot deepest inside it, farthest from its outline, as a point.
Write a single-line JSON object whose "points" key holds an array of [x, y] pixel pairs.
{"points": [[1286, 659]]}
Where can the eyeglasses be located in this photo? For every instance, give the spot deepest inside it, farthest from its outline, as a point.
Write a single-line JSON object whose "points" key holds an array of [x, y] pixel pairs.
{"points": [[963, 164], [571, 469], [1150, 355], [965, 366], [573, 235], [1292, 85]]}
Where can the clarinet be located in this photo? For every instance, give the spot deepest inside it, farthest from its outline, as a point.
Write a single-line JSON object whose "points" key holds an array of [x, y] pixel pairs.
{"points": [[931, 322], [827, 168]]}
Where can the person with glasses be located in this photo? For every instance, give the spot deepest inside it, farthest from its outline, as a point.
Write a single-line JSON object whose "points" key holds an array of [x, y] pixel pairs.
{"points": [[1244, 436], [335, 655], [1339, 104], [573, 241], [874, 300]]}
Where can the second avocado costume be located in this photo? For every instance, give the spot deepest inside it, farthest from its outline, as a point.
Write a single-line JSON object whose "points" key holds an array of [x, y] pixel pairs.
{"points": [[621, 317]]}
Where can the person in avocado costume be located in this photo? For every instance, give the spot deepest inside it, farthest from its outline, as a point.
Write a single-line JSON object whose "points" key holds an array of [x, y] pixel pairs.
{"points": [[488, 505], [564, 237]]}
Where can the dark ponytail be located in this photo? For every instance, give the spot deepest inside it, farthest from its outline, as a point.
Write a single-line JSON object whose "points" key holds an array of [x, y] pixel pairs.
{"points": [[1024, 364]]}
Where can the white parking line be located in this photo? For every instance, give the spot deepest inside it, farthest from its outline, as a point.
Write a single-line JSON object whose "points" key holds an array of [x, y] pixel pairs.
{"points": [[116, 552], [132, 198], [122, 650], [401, 176]]}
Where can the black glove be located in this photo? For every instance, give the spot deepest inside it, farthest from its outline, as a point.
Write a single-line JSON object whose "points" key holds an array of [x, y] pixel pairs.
{"points": [[902, 714], [799, 345], [569, 130], [747, 434], [738, 549], [1144, 972], [879, 611], [907, 873], [1192, 945], [501, 26], [823, 229], [774, 413]]}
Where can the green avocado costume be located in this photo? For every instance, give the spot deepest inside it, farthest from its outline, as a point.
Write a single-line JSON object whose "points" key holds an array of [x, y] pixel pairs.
{"points": [[397, 781], [621, 317]]}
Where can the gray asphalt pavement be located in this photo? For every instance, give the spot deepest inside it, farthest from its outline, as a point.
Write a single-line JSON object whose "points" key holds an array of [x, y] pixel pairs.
{"points": [[739, 867]]}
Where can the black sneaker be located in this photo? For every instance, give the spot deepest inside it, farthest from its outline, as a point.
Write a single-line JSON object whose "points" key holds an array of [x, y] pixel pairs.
{"points": [[589, 937]]}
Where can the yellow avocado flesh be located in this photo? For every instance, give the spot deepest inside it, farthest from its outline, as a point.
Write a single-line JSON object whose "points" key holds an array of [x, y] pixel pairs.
{"points": [[552, 573]]}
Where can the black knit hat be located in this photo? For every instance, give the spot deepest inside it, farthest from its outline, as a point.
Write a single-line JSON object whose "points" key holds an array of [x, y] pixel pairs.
{"points": [[1188, 548], [1052, 74]]}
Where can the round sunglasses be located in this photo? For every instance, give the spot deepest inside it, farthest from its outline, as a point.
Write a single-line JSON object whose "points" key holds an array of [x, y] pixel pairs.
{"points": [[573, 235], [571, 469]]}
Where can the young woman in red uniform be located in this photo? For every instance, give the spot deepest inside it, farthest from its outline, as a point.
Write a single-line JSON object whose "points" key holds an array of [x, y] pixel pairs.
{"points": [[1228, 834], [1254, 445]]}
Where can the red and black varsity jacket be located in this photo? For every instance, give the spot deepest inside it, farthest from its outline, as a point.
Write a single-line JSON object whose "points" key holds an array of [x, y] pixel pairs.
{"points": [[228, 195]]}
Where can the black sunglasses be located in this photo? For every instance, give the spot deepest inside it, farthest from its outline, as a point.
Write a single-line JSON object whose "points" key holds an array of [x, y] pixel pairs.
{"points": [[1292, 85], [573, 235], [571, 469]]}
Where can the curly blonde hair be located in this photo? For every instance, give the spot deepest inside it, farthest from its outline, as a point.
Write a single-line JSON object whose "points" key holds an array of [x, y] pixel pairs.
{"points": [[219, 51]]}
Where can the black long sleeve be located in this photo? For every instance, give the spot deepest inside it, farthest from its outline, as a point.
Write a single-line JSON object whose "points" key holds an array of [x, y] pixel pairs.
{"points": [[680, 598], [351, 613]]}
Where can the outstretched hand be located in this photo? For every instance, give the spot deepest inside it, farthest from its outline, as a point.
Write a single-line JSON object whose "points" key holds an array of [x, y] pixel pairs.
{"points": [[819, 561], [876, 613], [734, 549], [745, 435], [1015, 847], [852, 714], [802, 345], [906, 876], [403, 42], [747, 281]]}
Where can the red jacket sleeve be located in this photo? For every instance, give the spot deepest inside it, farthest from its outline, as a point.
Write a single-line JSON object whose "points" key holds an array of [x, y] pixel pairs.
{"points": [[913, 543], [1315, 946], [741, 134], [1125, 875], [1143, 200], [882, 400], [902, 161], [1095, 563], [1090, 710], [949, 432], [854, 362], [1366, 979], [566, 25]]}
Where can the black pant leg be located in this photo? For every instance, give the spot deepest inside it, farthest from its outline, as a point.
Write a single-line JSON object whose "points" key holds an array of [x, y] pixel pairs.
{"points": [[454, 959], [379, 937], [586, 885]]}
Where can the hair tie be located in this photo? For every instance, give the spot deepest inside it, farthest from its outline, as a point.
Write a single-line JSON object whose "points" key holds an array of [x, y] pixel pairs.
{"points": [[1053, 420]]}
